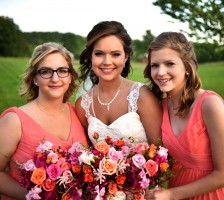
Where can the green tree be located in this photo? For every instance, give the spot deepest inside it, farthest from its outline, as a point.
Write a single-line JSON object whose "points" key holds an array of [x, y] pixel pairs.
{"points": [[12, 40], [141, 46], [205, 17]]}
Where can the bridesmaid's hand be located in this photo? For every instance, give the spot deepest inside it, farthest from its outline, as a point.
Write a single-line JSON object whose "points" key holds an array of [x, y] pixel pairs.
{"points": [[161, 194], [149, 193]]}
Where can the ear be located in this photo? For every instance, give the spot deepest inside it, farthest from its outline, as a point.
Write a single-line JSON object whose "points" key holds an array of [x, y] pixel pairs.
{"points": [[35, 82]]}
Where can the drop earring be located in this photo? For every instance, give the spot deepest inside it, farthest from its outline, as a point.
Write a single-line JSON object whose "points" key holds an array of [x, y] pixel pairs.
{"points": [[124, 65], [187, 73]]}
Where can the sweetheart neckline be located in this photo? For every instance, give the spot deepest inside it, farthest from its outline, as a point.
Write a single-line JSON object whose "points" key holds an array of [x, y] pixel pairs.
{"points": [[122, 116]]}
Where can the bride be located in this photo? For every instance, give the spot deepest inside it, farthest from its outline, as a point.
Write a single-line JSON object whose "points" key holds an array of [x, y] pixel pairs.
{"points": [[115, 106]]}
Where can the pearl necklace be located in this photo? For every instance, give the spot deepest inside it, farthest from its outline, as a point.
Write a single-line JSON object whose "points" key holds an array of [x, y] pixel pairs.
{"points": [[52, 115], [112, 100]]}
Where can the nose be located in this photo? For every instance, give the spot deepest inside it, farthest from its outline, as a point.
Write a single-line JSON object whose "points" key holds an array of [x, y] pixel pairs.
{"points": [[161, 70], [54, 76], [107, 60]]}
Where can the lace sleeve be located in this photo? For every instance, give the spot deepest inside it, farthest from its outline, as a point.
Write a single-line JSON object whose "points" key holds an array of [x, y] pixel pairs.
{"points": [[133, 97], [85, 104]]}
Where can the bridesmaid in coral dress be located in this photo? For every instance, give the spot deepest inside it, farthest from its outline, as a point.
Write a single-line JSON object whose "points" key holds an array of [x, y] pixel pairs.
{"points": [[48, 116], [192, 128]]}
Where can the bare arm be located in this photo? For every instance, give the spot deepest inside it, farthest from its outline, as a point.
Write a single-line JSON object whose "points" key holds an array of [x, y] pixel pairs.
{"points": [[10, 133], [213, 115], [150, 113]]}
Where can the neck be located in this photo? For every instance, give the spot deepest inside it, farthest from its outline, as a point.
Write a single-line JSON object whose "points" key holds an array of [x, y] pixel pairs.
{"points": [[53, 109], [110, 99]]}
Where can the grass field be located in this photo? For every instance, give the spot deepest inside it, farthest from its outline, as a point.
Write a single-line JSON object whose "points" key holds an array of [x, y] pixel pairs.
{"points": [[11, 70]]}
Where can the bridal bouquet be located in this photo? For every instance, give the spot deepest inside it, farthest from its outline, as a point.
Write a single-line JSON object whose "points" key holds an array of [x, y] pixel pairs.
{"points": [[54, 173], [123, 170], [110, 169]]}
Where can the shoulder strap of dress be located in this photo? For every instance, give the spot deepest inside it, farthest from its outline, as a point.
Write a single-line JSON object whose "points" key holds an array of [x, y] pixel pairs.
{"points": [[12, 109], [133, 97], [85, 103]]}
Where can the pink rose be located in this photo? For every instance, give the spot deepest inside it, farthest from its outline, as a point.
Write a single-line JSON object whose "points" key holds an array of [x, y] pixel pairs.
{"points": [[138, 160], [54, 171], [141, 148], [65, 166], [115, 155]]}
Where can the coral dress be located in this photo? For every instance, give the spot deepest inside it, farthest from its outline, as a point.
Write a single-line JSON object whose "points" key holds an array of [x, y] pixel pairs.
{"points": [[33, 134], [126, 126], [191, 150]]}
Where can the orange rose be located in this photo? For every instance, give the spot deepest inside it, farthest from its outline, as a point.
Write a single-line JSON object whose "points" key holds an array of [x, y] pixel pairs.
{"points": [[108, 166], [87, 169], [112, 188], [120, 143], [88, 177], [121, 180], [151, 167], [102, 147], [59, 155], [66, 196], [48, 160], [38, 176], [76, 169], [39, 155], [152, 151], [163, 166], [48, 185], [138, 196]]}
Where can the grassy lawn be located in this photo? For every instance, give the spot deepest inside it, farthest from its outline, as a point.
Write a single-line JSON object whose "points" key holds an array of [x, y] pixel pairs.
{"points": [[12, 68]]}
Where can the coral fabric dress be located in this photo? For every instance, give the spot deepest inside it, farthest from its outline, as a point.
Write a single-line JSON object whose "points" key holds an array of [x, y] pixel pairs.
{"points": [[126, 126], [33, 134], [191, 150]]}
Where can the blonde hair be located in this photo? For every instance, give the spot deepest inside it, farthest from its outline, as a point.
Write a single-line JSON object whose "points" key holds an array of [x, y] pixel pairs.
{"points": [[28, 87]]}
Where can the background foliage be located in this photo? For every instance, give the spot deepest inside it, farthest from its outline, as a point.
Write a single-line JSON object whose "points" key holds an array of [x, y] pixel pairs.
{"points": [[205, 17], [12, 68], [15, 43]]}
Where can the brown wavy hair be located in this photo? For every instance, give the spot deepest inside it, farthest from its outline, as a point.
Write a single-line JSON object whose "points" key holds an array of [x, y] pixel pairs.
{"points": [[179, 43], [28, 88], [100, 30]]}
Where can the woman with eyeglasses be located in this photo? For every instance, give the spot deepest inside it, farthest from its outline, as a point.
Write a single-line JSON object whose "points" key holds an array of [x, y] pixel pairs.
{"points": [[49, 82]]}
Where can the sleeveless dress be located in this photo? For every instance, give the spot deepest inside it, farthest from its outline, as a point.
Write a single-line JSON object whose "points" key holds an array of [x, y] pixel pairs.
{"points": [[126, 126], [33, 134], [191, 150]]}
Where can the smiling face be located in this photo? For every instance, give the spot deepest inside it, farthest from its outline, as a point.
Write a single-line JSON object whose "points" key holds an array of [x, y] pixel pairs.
{"points": [[54, 87], [168, 70], [108, 58]]}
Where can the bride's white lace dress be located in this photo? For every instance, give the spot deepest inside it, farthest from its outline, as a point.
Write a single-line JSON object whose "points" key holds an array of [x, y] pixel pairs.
{"points": [[126, 126]]}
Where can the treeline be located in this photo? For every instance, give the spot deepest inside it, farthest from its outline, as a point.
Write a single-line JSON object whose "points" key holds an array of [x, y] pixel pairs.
{"points": [[15, 43]]}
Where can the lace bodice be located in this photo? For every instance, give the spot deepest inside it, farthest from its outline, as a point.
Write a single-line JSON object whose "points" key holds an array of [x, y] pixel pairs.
{"points": [[126, 126]]}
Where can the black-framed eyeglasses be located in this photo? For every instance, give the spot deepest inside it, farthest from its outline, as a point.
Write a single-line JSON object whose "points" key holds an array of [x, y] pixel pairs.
{"points": [[46, 73]]}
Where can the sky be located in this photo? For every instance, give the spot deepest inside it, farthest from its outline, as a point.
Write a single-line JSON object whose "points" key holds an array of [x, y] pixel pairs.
{"points": [[79, 16]]}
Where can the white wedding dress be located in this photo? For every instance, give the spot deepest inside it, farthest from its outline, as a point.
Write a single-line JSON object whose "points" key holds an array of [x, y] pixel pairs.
{"points": [[126, 126]]}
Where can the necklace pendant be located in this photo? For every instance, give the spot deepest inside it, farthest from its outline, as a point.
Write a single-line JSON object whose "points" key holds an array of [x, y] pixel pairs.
{"points": [[108, 107]]}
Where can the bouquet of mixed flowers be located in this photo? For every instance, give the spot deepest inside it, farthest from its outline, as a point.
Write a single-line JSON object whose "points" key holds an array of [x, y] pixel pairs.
{"points": [[110, 169], [123, 169], [54, 173]]}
